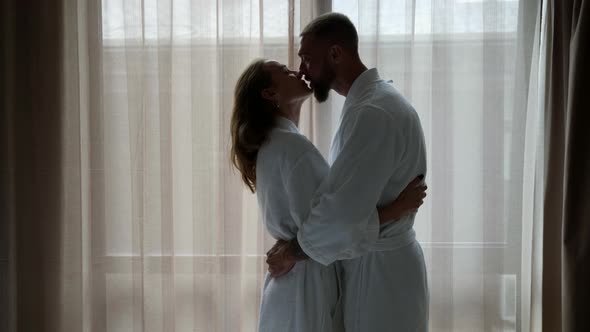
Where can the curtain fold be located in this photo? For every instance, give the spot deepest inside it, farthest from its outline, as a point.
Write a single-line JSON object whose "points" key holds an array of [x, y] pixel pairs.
{"points": [[566, 252], [32, 162], [6, 168], [531, 61]]}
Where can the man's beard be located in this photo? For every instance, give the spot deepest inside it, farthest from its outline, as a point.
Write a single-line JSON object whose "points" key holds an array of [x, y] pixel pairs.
{"points": [[321, 92], [321, 89]]}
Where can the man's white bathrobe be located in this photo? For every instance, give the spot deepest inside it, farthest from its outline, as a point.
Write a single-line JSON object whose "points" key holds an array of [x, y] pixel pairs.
{"points": [[289, 169], [377, 150]]}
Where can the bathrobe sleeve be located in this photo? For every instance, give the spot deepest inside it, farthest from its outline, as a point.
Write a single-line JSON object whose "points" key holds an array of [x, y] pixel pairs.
{"points": [[343, 222]]}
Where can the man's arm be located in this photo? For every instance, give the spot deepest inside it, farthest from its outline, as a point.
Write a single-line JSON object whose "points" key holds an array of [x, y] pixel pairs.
{"points": [[343, 221], [284, 254]]}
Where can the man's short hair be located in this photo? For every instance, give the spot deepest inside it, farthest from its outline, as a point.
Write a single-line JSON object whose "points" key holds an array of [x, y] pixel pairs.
{"points": [[335, 28]]}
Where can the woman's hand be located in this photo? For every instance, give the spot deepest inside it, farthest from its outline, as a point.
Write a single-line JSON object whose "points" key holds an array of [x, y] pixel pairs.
{"points": [[282, 257], [408, 201]]}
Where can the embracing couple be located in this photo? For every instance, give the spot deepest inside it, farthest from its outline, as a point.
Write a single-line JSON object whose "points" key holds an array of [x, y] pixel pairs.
{"points": [[346, 257]]}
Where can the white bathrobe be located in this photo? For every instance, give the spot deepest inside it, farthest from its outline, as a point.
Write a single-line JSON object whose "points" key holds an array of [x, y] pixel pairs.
{"points": [[377, 150], [289, 169]]}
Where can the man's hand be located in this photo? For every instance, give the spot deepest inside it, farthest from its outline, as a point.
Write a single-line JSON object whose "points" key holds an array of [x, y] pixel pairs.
{"points": [[283, 256]]}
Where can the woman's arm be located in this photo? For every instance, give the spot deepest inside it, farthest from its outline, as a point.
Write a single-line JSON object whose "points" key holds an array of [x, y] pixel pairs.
{"points": [[408, 201]]}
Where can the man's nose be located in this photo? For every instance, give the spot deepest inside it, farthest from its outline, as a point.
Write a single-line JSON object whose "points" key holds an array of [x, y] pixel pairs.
{"points": [[302, 69]]}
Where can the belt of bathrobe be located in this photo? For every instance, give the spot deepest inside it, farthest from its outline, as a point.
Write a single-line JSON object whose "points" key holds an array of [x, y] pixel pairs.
{"points": [[395, 241]]}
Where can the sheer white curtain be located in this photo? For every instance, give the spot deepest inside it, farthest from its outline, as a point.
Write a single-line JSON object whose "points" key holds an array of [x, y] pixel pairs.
{"points": [[170, 239], [468, 68], [162, 236]]}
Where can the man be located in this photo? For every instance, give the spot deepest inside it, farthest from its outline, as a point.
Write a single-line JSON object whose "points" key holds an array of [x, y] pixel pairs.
{"points": [[377, 149]]}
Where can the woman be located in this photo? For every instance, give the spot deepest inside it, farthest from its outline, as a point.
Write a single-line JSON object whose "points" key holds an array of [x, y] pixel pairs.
{"points": [[284, 169]]}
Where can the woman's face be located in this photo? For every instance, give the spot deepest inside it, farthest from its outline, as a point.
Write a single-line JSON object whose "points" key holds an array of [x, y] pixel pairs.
{"points": [[286, 87]]}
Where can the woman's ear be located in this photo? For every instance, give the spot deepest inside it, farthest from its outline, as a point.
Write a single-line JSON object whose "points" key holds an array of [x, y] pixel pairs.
{"points": [[269, 94]]}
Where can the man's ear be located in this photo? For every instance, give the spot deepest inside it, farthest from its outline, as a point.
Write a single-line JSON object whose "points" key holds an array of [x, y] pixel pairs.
{"points": [[269, 94], [335, 53]]}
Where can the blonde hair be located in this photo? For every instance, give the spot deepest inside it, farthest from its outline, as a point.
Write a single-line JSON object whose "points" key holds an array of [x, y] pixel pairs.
{"points": [[252, 120]]}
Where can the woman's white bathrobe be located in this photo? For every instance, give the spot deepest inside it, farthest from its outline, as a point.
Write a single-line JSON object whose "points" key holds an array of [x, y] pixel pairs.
{"points": [[377, 150], [289, 169]]}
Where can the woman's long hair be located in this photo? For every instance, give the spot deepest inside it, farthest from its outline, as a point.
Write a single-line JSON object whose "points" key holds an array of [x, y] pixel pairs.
{"points": [[252, 120]]}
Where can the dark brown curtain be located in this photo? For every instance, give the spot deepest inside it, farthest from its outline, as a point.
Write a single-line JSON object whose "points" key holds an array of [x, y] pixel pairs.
{"points": [[31, 173], [566, 251]]}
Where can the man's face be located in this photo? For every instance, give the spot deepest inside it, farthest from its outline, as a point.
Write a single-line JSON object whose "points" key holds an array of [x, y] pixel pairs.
{"points": [[316, 67]]}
